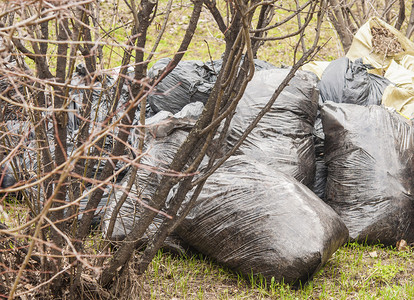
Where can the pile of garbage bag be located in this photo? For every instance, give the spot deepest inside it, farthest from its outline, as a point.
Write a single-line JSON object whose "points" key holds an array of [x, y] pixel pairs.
{"points": [[343, 132], [291, 140], [252, 215]]}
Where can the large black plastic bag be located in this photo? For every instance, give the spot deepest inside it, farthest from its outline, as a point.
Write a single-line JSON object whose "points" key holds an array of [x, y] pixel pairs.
{"points": [[259, 221], [22, 165], [344, 81], [159, 154], [101, 104], [190, 81], [163, 140], [283, 138], [369, 153]]}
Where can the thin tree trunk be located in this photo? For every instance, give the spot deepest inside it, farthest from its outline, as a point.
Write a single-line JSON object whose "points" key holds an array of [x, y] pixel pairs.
{"points": [[60, 120], [410, 27], [401, 15], [339, 22]]}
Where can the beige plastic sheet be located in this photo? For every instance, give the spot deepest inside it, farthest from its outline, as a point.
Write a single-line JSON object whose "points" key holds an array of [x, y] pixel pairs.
{"points": [[316, 67], [408, 62], [399, 75], [400, 96], [402, 99], [362, 45], [398, 68]]}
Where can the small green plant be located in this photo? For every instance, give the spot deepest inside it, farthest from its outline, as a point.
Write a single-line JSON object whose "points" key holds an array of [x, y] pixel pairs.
{"points": [[385, 273]]}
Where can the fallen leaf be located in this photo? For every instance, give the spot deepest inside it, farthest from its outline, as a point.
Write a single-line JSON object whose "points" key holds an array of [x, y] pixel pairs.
{"points": [[402, 245], [373, 254]]}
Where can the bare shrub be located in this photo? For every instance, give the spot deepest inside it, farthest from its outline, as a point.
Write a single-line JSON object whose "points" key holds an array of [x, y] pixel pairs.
{"points": [[68, 119]]}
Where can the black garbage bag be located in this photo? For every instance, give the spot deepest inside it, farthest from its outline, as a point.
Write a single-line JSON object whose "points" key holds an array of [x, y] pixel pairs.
{"points": [[166, 133], [159, 154], [190, 81], [344, 81], [101, 105], [283, 137], [18, 153], [256, 220], [369, 154]]}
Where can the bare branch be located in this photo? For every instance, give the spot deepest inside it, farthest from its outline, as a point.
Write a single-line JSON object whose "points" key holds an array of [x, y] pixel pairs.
{"points": [[301, 28], [211, 5], [401, 15], [285, 20], [162, 31]]}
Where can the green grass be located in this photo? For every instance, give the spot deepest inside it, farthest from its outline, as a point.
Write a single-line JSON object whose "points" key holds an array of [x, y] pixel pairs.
{"points": [[354, 272]]}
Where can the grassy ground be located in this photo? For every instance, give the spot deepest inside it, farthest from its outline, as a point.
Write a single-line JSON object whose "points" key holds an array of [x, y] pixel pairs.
{"points": [[354, 272]]}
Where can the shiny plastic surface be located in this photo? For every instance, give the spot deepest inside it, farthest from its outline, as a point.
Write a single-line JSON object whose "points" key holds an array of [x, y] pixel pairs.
{"points": [[370, 158], [257, 220]]}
